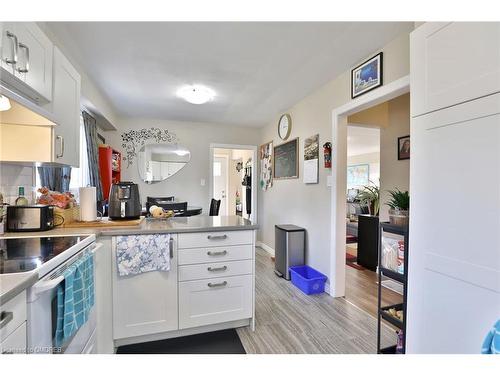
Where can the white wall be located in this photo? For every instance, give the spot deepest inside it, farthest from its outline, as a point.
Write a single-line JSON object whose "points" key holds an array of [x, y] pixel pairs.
{"points": [[185, 185], [291, 201]]}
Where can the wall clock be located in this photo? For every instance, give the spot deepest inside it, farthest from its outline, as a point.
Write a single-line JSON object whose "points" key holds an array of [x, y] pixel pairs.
{"points": [[285, 126]]}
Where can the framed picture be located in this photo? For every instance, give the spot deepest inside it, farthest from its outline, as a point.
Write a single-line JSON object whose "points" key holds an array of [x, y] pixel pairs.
{"points": [[266, 165], [404, 147], [286, 160], [367, 76], [311, 159], [358, 175]]}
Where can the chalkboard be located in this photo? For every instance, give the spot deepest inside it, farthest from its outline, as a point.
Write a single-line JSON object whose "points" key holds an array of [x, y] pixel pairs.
{"points": [[286, 160]]}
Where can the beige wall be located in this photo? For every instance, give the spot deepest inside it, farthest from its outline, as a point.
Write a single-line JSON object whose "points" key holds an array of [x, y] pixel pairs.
{"points": [[197, 137], [291, 201], [394, 173]]}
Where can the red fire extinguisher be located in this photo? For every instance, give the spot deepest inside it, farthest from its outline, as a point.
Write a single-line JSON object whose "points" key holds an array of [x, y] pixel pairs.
{"points": [[327, 152]]}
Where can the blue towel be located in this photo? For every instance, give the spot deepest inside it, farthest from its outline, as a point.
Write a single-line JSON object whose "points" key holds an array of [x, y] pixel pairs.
{"points": [[491, 344], [75, 299]]}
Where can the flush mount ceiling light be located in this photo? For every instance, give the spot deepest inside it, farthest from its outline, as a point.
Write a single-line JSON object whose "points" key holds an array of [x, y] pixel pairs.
{"points": [[196, 94], [4, 103]]}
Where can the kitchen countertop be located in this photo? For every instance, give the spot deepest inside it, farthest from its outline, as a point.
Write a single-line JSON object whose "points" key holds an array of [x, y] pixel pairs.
{"points": [[13, 284]]}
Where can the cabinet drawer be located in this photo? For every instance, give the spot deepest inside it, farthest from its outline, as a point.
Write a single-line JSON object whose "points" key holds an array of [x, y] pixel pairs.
{"points": [[13, 314], [215, 254], [209, 270], [15, 343], [214, 301], [208, 239]]}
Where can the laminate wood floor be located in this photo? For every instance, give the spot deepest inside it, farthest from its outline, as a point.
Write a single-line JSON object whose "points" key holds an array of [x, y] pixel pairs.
{"points": [[288, 321]]}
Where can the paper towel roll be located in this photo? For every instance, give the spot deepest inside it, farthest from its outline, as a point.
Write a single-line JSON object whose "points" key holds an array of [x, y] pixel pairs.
{"points": [[88, 203]]}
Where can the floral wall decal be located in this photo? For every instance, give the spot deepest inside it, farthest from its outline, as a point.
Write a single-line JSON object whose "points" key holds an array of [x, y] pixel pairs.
{"points": [[133, 140]]}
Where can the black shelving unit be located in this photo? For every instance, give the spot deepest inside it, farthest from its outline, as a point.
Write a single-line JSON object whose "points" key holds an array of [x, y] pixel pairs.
{"points": [[383, 313]]}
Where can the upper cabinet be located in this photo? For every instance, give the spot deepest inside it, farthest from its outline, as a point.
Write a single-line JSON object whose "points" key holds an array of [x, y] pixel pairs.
{"points": [[66, 111], [452, 63], [26, 60]]}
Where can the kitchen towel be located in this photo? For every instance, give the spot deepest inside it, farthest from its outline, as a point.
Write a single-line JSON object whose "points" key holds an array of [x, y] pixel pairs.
{"points": [[491, 344], [88, 203], [142, 253], [75, 299]]}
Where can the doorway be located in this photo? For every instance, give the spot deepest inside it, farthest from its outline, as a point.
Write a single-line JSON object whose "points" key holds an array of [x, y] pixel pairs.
{"points": [[233, 179]]}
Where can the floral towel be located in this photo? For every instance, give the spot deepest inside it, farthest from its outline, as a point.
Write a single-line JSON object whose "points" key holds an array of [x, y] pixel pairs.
{"points": [[142, 253]]}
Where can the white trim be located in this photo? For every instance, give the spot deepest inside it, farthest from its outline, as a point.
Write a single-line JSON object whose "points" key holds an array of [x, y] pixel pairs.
{"points": [[265, 247], [339, 178], [226, 158], [253, 215]]}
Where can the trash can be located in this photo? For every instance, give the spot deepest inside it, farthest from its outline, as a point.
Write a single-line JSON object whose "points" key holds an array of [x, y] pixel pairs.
{"points": [[289, 248]]}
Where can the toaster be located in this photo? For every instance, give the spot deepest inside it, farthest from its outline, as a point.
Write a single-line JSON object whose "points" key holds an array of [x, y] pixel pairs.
{"points": [[30, 218]]}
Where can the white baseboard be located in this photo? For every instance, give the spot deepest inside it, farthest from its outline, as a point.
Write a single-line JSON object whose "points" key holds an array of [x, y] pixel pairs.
{"points": [[267, 248]]}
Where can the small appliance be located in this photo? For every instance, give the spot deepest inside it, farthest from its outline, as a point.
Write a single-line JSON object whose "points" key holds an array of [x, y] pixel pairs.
{"points": [[30, 218], [124, 201]]}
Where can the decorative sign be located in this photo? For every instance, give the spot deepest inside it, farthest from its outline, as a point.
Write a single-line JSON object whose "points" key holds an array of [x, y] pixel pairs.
{"points": [[286, 160], [311, 159], [266, 166], [133, 140]]}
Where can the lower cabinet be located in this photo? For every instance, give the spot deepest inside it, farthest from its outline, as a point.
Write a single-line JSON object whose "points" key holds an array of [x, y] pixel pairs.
{"points": [[15, 343], [216, 300]]}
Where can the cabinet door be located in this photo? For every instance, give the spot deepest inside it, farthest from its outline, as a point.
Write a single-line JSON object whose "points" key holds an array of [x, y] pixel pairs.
{"points": [[15, 343], [146, 303], [454, 258], [36, 50], [452, 63], [66, 109]]}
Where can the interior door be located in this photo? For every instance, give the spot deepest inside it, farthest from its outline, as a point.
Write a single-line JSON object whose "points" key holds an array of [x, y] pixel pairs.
{"points": [[221, 182]]}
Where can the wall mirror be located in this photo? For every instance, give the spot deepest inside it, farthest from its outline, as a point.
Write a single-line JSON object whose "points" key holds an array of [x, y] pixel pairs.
{"points": [[157, 162]]}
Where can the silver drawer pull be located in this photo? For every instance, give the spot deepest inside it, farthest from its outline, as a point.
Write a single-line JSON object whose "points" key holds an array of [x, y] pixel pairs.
{"points": [[215, 253], [5, 318], [223, 237], [212, 269], [13, 51], [212, 285]]}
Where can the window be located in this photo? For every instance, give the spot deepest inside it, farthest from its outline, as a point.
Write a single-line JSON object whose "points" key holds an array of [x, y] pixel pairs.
{"points": [[217, 169]]}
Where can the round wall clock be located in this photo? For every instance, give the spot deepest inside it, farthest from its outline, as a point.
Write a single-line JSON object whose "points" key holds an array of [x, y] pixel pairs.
{"points": [[285, 126]]}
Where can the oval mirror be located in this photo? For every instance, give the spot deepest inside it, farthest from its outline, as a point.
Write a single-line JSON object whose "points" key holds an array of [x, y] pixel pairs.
{"points": [[157, 162]]}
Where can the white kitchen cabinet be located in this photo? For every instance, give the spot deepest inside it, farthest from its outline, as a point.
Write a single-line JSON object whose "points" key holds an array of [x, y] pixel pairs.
{"points": [[146, 303], [216, 300], [65, 107], [453, 62], [15, 343], [27, 55]]}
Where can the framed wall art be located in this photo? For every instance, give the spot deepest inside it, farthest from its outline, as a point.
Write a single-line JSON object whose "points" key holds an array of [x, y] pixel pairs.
{"points": [[367, 76], [404, 147], [266, 165], [286, 160]]}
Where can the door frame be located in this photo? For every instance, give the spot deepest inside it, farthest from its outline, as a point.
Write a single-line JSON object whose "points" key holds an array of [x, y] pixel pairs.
{"points": [[226, 189], [339, 176], [253, 148]]}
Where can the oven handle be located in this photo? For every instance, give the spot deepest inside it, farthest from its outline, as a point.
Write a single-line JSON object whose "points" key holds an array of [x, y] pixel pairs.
{"points": [[45, 286]]}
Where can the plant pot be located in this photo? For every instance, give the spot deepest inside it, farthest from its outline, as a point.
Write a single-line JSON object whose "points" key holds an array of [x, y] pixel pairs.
{"points": [[399, 217]]}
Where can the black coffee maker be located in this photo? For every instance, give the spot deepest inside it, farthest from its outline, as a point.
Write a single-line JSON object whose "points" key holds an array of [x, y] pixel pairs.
{"points": [[124, 201]]}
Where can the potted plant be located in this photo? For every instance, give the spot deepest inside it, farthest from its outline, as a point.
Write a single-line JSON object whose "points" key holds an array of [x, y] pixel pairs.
{"points": [[370, 195], [399, 207]]}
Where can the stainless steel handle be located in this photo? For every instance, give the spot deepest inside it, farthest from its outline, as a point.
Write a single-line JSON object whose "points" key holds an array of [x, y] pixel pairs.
{"points": [[213, 269], [214, 285], [171, 247], [13, 50], [223, 237], [213, 253], [61, 139], [27, 59], [6, 317]]}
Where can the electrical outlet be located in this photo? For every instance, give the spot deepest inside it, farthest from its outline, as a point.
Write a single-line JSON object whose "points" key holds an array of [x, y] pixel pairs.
{"points": [[202, 182]]}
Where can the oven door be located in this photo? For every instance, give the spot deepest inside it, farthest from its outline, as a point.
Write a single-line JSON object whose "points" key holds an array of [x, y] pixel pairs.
{"points": [[42, 316]]}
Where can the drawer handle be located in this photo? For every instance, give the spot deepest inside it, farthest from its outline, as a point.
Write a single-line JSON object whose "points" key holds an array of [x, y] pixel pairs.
{"points": [[5, 318], [215, 253], [212, 269], [171, 247], [223, 237], [212, 285]]}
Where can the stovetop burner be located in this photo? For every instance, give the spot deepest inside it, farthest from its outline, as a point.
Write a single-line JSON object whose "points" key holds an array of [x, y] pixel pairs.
{"points": [[26, 254]]}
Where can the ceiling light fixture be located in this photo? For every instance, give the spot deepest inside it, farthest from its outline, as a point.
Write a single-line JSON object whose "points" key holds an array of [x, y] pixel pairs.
{"points": [[4, 103], [196, 94]]}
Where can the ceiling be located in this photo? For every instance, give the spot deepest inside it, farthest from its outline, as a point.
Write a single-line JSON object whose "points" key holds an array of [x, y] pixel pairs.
{"points": [[256, 69], [362, 140]]}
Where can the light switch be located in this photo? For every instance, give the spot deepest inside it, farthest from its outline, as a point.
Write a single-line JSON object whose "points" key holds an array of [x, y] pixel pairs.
{"points": [[202, 182], [329, 181]]}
